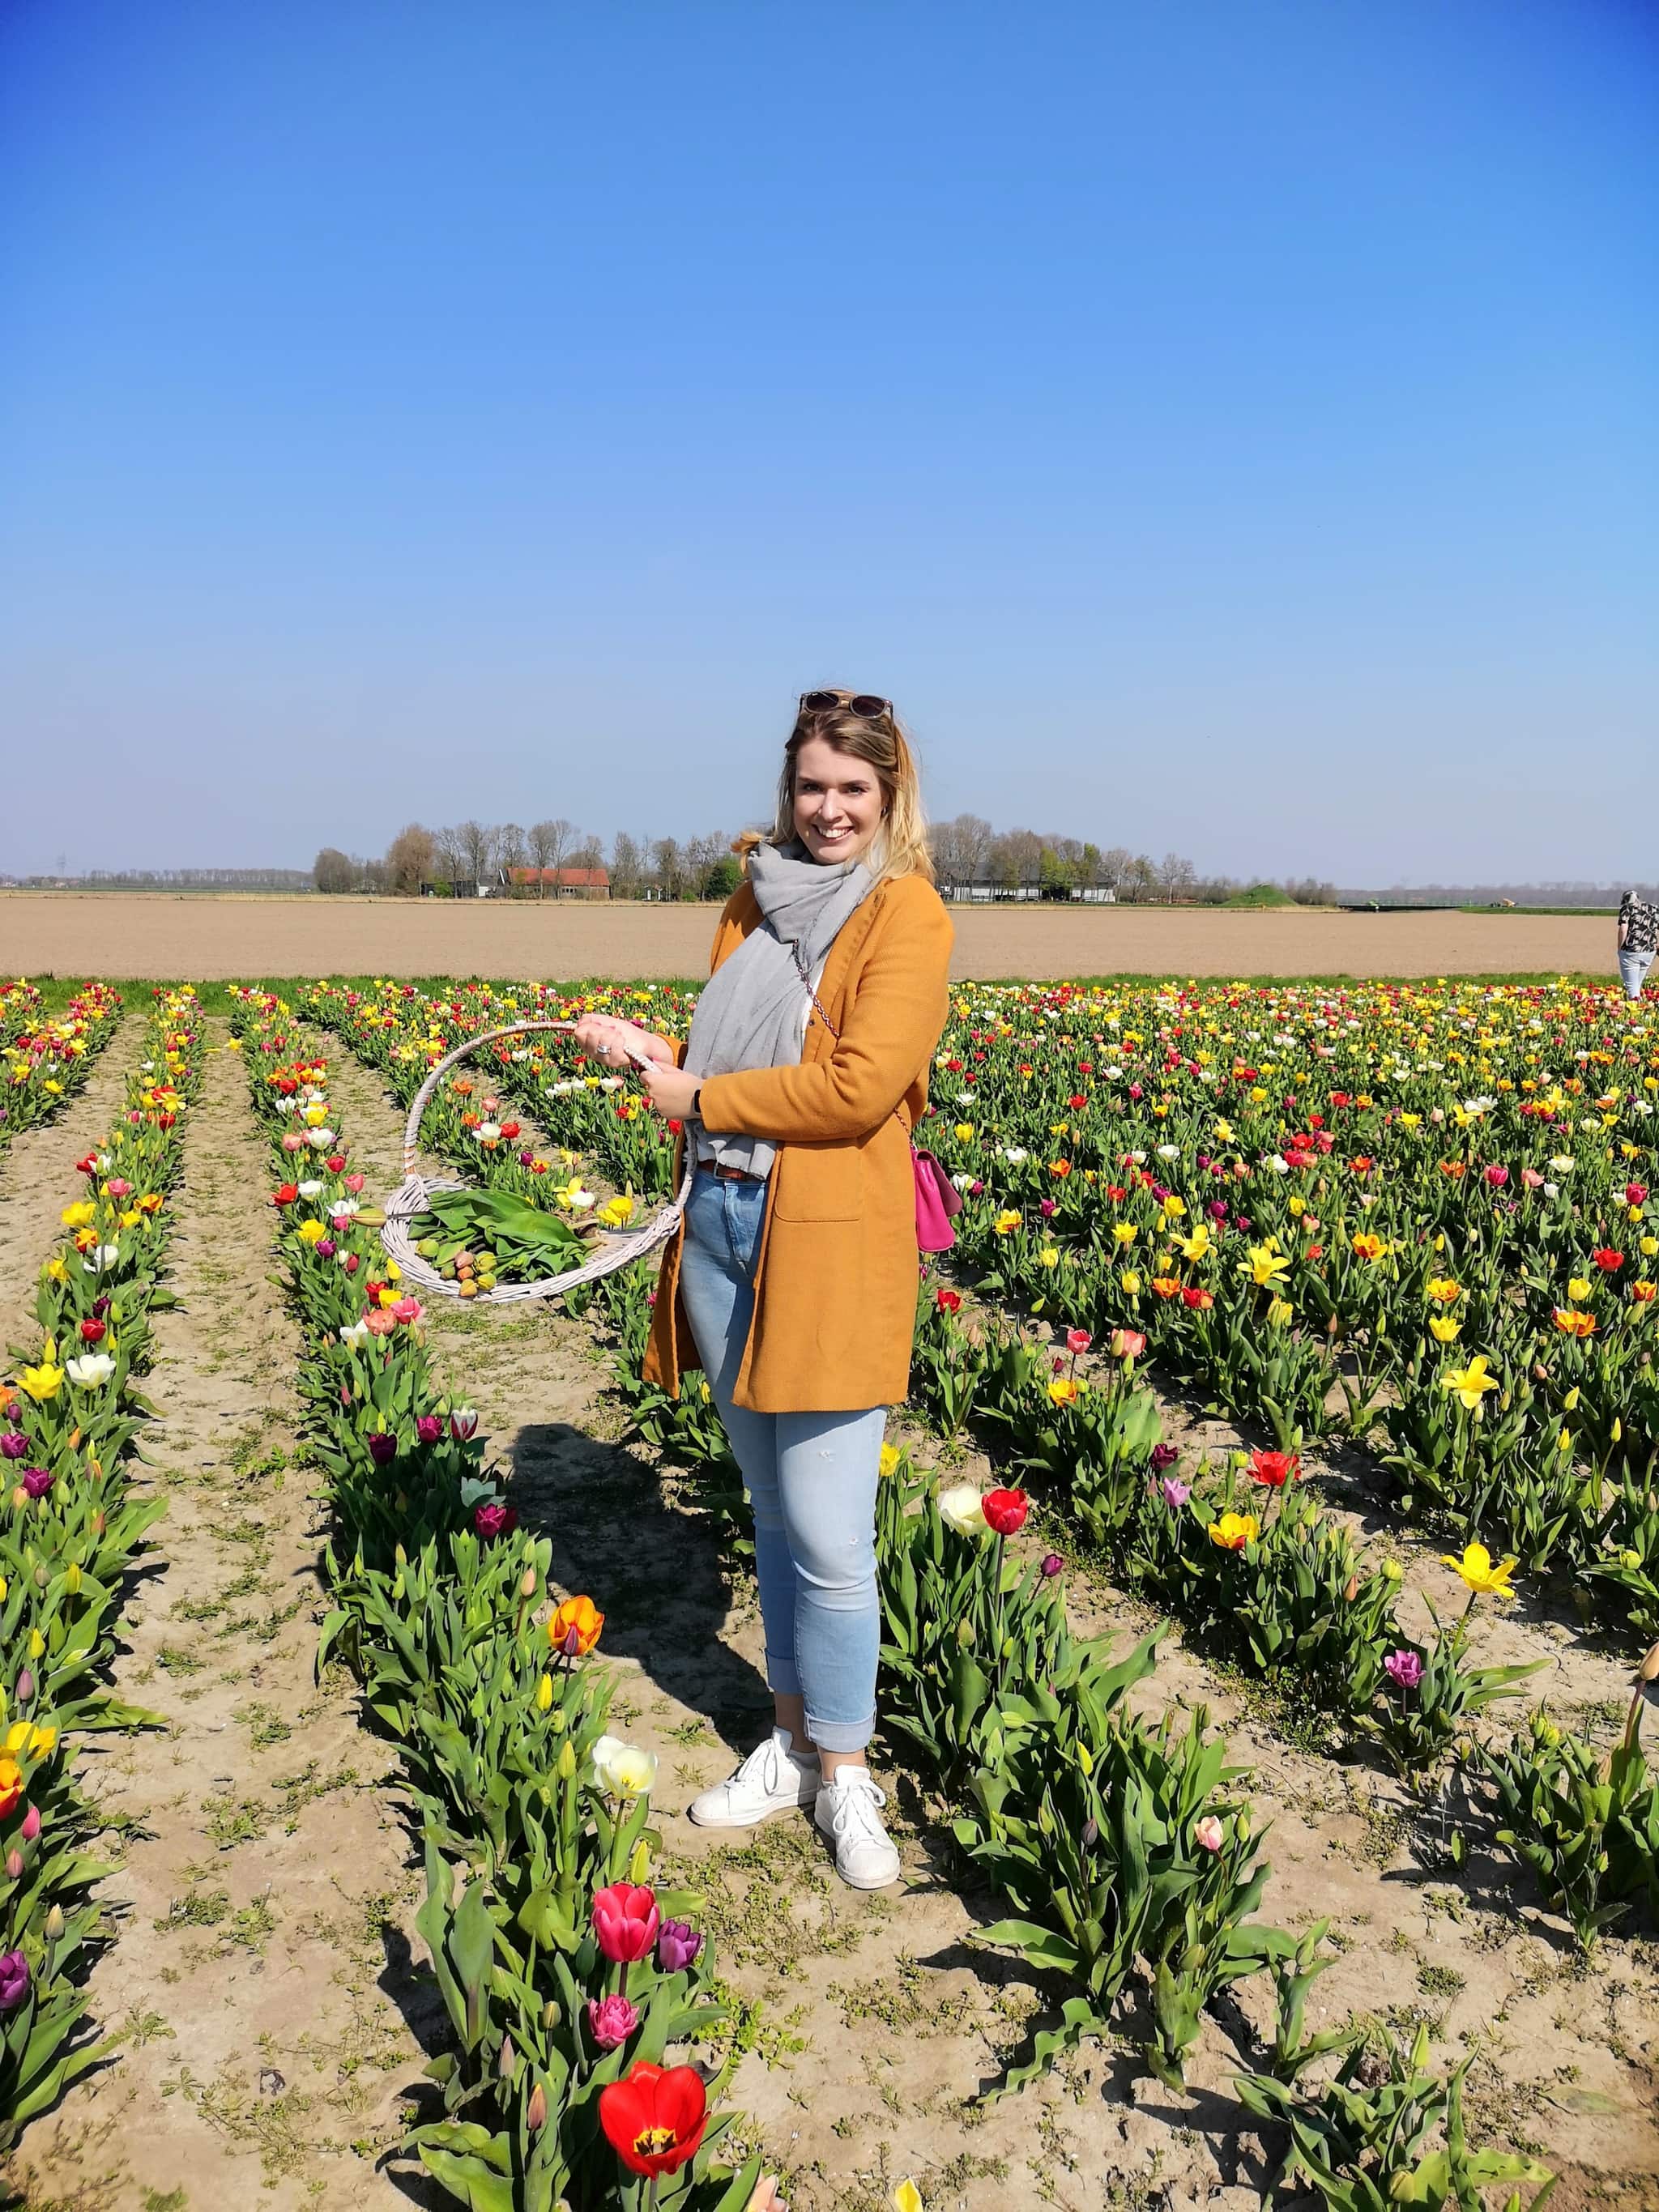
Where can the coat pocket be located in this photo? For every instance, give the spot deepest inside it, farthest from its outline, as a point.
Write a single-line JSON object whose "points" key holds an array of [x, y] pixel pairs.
{"points": [[818, 1183]]}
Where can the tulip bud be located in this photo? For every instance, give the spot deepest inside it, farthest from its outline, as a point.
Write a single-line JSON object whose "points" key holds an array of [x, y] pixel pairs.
{"points": [[566, 1760], [506, 2059], [1649, 1670], [528, 1583], [1618, 1429], [639, 1867], [1241, 1825], [535, 2113], [964, 1635], [25, 1687], [72, 1577], [13, 1864], [55, 1923], [551, 2014], [96, 1524], [1351, 1589], [31, 1828], [1569, 1403], [544, 1693]]}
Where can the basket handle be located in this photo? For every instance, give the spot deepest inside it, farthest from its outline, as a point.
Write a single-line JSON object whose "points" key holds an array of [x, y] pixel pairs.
{"points": [[418, 1103]]}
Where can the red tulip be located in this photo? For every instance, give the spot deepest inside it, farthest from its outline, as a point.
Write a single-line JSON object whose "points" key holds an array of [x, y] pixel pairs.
{"points": [[91, 1331], [626, 1920], [1608, 1261], [1636, 1194], [948, 1301], [1077, 1341], [286, 1195], [653, 2119], [1275, 1468], [1006, 1510]]}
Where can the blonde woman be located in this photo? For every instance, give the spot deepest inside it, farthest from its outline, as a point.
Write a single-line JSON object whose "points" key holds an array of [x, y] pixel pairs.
{"points": [[792, 1281]]}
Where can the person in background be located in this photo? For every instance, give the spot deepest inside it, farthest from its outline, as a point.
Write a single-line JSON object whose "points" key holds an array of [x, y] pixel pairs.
{"points": [[1639, 934]]}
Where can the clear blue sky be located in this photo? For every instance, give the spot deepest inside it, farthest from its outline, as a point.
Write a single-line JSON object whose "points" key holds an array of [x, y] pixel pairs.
{"points": [[1228, 425]]}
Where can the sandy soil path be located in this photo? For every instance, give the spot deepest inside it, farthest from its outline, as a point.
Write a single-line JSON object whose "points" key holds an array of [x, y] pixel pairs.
{"points": [[209, 938], [259, 1969], [38, 1180]]}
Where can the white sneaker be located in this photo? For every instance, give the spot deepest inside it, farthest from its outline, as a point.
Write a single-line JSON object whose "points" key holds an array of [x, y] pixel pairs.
{"points": [[776, 1777], [849, 1812]]}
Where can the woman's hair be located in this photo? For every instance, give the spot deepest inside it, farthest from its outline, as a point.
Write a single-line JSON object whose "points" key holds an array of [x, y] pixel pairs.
{"points": [[900, 846]]}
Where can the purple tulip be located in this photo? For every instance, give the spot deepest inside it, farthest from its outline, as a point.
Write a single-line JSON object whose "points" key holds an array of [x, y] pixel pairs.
{"points": [[326, 1247], [677, 1946], [13, 1444], [1404, 1667], [610, 2020], [494, 1519], [1048, 1209], [1176, 1493], [14, 1980], [1164, 1455], [382, 1449], [1052, 1565], [428, 1428], [37, 1480]]}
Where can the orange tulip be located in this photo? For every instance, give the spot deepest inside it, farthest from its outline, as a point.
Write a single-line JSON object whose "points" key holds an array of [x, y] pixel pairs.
{"points": [[575, 1628]]}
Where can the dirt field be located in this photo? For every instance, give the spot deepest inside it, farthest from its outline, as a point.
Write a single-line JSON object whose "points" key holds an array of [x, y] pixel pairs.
{"points": [[209, 939]]}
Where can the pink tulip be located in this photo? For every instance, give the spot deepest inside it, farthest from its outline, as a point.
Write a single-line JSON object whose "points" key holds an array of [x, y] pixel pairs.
{"points": [[1208, 1834], [1532, 1179], [626, 1920], [293, 1141], [1497, 1177], [354, 1183]]}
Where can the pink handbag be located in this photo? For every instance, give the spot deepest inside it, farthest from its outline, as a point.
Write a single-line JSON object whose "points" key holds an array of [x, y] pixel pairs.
{"points": [[938, 1200]]}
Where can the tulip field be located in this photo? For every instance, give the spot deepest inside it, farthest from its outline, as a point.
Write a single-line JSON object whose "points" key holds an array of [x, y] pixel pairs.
{"points": [[1269, 1557]]}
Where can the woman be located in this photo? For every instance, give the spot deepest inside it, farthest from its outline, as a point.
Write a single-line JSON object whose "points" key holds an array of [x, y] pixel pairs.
{"points": [[792, 1281], [1639, 933]]}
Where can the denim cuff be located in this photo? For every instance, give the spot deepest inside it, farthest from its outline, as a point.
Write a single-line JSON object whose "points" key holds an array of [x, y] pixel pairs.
{"points": [[841, 1735], [783, 1675]]}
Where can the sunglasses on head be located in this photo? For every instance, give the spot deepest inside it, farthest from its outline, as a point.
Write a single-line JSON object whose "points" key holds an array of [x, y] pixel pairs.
{"points": [[864, 704]]}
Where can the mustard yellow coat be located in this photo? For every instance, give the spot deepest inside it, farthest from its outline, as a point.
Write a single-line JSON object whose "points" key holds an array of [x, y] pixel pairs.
{"points": [[836, 1290]]}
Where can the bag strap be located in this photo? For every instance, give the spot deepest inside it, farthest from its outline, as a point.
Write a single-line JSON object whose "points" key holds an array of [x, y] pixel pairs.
{"points": [[817, 1008]]}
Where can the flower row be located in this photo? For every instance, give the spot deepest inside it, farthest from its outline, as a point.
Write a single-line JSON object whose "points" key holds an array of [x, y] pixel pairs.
{"points": [[44, 1062], [581, 1993], [69, 1530]]}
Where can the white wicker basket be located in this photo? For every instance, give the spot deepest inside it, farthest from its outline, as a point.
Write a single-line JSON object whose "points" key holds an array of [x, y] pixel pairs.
{"points": [[412, 1194]]}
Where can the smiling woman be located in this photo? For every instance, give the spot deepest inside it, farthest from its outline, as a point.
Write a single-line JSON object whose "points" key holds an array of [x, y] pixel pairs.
{"points": [[793, 1279]]}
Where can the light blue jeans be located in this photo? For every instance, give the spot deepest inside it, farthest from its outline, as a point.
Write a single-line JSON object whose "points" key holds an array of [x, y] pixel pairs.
{"points": [[810, 1477], [1633, 969]]}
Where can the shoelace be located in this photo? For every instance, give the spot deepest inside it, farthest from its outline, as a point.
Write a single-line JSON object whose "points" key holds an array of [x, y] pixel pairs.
{"points": [[858, 1805], [764, 1765]]}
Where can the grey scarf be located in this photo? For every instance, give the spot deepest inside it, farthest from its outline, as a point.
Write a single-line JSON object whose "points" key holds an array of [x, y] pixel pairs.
{"points": [[750, 1012]]}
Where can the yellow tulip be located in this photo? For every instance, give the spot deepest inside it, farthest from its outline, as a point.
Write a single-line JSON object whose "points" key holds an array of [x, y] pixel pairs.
{"points": [[1469, 1383], [1479, 1574], [42, 1382], [1444, 1329], [907, 2198]]}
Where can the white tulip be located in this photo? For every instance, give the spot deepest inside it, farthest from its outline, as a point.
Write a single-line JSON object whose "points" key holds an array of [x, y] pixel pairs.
{"points": [[92, 1368], [101, 1256], [964, 1508], [312, 1189], [355, 1332], [321, 1141], [623, 1770]]}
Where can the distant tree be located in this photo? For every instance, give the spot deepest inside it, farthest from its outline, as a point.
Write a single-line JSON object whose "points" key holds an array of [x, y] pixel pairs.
{"points": [[962, 848], [333, 870], [1175, 876], [476, 846], [628, 867], [1138, 878], [549, 843], [1055, 876], [1016, 857], [1090, 865], [720, 878], [668, 868], [410, 858], [589, 853], [509, 845]]}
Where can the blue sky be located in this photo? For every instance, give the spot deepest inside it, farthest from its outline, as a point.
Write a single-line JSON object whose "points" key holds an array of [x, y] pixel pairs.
{"points": [[1222, 427]]}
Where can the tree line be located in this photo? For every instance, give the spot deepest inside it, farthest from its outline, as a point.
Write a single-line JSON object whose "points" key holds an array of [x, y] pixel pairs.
{"points": [[967, 850]]}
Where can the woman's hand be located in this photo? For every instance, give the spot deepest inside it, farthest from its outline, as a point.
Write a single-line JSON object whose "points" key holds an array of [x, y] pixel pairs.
{"points": [[610, 1040], [671, 1089]]}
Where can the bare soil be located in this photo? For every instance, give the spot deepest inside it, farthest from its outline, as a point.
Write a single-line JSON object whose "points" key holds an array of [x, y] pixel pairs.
{"points": [[209, 939]]}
